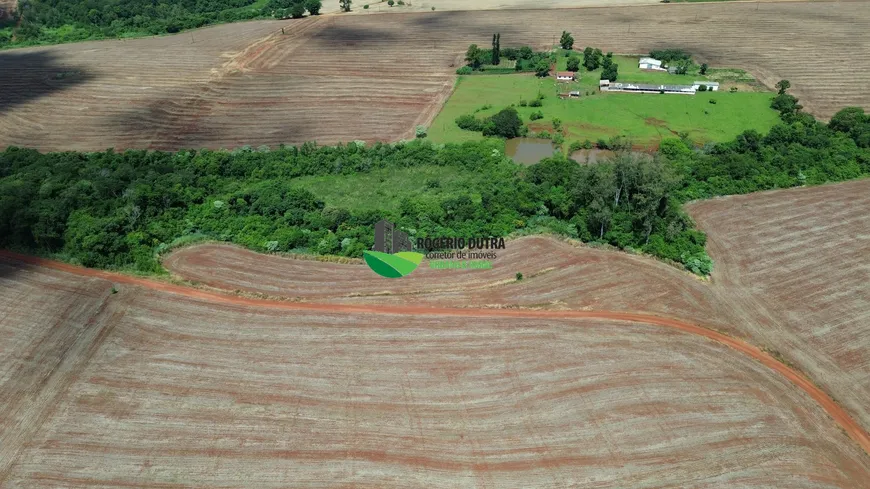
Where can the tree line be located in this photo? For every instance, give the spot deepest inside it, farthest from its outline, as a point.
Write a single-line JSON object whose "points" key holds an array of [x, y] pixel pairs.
{"points": [[122, 209], [58, 21], [524, 57]]}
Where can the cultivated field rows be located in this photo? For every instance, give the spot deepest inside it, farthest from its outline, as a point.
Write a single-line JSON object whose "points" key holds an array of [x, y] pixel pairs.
{"points": [[183, 393], [791, 275], [374, 77], [797, 274], [46, 326]]}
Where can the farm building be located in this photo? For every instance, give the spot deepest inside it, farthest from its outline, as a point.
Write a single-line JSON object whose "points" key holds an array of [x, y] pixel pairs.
{"points": [[711, 86], [605, 85], [650, 64], [565, 76]]}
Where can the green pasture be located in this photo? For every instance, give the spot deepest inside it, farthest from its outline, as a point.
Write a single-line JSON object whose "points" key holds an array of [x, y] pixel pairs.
{"points": [[644, 118]]}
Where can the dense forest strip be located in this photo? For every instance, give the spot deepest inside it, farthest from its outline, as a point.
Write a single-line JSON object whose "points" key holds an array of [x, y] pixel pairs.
{"points": [[36, 22], [121, 210]]}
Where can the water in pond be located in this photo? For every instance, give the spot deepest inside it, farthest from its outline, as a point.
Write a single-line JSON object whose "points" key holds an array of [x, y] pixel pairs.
{"points": [[528, 151]]}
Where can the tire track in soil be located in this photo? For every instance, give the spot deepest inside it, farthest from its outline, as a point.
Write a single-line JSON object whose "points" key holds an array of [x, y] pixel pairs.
{"points": [[834, 410]]}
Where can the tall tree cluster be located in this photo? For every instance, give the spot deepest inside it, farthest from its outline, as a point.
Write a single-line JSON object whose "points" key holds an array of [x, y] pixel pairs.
{"points": [[496, 49]]}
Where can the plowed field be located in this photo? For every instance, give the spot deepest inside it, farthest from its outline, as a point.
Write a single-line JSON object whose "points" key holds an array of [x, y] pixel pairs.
{"points": [[794, 269], [179, 392], [792, 275], [374, 77]]}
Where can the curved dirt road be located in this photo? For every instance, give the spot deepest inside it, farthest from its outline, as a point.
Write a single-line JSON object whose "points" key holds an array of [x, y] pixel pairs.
{"points": [[840, 416]]}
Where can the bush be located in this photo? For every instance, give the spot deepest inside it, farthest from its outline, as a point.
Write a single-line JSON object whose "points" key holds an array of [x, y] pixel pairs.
{"points": [[698, 263], [469, 123], [401, 2], [390, 3], [433, 8], [712, 101], [668, 55], [702, 88], [602, 144], [575, 146], [519, 276], [733, 89], [536, 115], [523, 103], [465, 70], [420, 131], [506, 123], [366, 6], [536, 103]]}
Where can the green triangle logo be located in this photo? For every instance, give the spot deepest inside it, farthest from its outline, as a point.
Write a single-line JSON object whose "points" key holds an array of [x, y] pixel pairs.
{"points": [[392, 266]]}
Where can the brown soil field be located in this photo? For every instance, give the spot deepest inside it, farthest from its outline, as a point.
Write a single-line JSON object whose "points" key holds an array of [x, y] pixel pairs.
{"points": [[374, 77], [44, 335], [791, 275], [166, 390], [557, 275], [794, 270]]}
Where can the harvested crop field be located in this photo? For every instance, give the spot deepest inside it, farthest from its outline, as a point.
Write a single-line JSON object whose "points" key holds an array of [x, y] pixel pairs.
{"points": [[44, 336], [179, 392], [793, 266], [557, 275], [791, 275], [374, 77]]}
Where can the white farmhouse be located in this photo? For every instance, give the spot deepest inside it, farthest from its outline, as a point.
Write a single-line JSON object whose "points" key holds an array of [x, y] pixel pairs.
{"points": [[711, 85], [650, 64]]}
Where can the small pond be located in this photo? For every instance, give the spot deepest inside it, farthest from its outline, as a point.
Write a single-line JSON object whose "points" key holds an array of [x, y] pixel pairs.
{"points": [[528, 151]]}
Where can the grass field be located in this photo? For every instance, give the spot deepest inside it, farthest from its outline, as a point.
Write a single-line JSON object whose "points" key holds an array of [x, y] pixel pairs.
{"points": [[385, 189], [645, 119]]}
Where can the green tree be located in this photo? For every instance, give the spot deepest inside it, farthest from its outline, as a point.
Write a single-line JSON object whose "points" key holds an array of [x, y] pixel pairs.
{"points": [[506, 123], [786, 104], [344, 5], [313, 6], [703, 70], [610, 73], [297, 11], [473, 56], [542, 68], [782, 86], [495, 58], [590, 60], [566, 41], [683, 66], [846, 120], [573, 63]]}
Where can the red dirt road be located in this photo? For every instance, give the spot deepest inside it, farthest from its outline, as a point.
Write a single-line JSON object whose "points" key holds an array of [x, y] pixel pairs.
{"points": [[840, 416]]}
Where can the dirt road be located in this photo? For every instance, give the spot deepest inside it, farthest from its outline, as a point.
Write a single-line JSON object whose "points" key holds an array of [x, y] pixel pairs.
{"points": [[840, 416]]}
